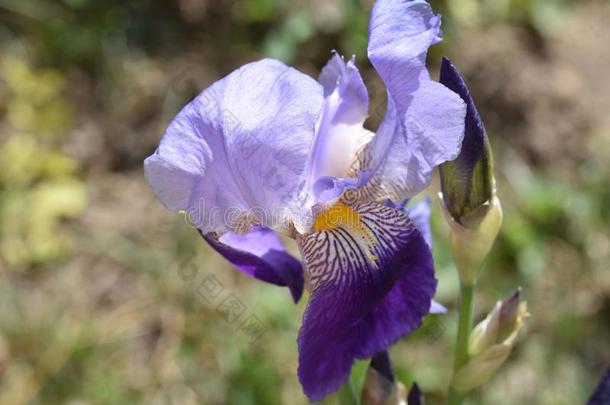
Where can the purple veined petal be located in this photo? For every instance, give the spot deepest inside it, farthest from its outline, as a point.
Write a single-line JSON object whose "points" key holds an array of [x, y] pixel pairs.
{"points": [[235, 155], [424, 121], [420, 215], [372, 281], [339, 131], [260, 254]]}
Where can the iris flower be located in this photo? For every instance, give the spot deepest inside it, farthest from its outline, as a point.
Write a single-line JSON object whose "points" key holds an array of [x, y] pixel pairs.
{"points": [[268, 150]]}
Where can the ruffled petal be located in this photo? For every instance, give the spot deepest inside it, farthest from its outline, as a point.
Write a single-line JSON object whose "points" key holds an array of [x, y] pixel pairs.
{"points": [[424, 121], [344, 79], [339, 131], [372, 281], [260, 254], [235, 155]]}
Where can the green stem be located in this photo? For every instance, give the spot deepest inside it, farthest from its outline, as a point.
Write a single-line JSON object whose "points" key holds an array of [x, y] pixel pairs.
{"points": [[461, 346]]}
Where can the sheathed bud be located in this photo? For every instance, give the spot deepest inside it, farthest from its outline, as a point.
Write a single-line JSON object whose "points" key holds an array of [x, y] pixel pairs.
{"points": [[467, 182], [380, 387], [470, 244], [504, 321], [491, 341], [468, 193]]}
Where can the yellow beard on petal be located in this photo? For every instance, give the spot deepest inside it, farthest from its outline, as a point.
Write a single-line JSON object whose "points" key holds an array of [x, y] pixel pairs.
{"points": [[343, 215]]}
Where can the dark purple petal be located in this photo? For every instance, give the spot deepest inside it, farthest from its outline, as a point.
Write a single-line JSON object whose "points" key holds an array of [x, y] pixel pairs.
{"points": [[381, 362], [601, 396], [260, 254], [401, 310], [420, 215], [467, 181], [416, 397], [372, 283]]}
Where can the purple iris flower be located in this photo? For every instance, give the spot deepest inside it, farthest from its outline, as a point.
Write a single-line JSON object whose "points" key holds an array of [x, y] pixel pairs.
{"points": [[269, 150]]}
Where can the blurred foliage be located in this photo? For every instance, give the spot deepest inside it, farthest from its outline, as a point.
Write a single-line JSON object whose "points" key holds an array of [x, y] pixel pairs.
{"points": [[39, 184], [100, 287]]}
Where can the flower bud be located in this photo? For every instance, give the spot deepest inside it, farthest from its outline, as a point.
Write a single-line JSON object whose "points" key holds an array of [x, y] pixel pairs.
{"points": [[470, 243], [467, 182], [502, 322], [468, 188], [380, 388], [491, 341]]}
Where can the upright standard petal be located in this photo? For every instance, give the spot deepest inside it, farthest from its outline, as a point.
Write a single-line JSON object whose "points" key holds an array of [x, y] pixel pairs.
{"points": [[234, 156], [372, 281], [260, 254], [340, 134], [424, 121]]}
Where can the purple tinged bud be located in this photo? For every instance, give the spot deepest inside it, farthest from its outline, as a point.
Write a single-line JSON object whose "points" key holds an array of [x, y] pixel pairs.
{"points": [[500, 325], [491, 342], [416, 397], [509, 315], [467, 182]]}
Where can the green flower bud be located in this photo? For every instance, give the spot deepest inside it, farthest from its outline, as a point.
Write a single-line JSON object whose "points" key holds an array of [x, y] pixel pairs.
{"points": [[468, 187], [504, 321], [471, 242], [491, 342]]}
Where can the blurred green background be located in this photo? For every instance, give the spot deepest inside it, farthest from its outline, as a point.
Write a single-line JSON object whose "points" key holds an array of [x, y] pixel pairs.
{"points": [[105, 296]]}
